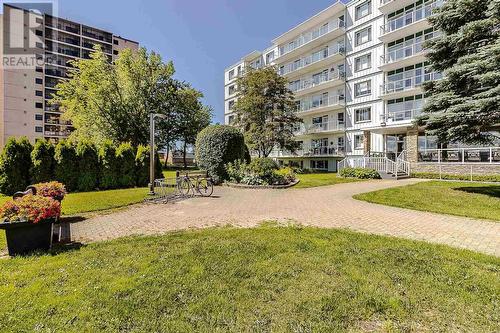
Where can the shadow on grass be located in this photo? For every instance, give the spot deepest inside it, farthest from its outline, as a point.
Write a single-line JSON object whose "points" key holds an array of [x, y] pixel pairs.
{"points": [[63, 248], [492, 191]]}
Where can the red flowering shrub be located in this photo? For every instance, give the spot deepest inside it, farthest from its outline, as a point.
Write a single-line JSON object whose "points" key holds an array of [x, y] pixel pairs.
{"points": [[54, 190], [31, 208]]}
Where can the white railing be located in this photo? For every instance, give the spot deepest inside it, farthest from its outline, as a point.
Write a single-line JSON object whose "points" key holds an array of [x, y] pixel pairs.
{"points": [[312, 104], [461, 155], [310, 36], [311, 59], [306, 84], [415, 15], [406, 51], [403, 115], [409, 83], [378, 163], [310, 151], [320, 127]]}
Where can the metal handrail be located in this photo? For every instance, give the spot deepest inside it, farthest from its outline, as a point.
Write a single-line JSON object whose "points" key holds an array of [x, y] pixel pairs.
{"points": [[409, 83], [400, 115], [306, 84], [415, 15], [311, 59], [461, 155], [310, 104]]}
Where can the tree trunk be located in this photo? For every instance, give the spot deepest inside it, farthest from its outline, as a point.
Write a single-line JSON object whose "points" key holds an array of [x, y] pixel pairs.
{"points": [[184, 155], [168, 152]]}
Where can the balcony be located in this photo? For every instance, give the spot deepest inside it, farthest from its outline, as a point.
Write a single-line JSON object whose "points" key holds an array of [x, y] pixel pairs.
{"points": [[63, 39], [310, 151], [317, 83], [409, 23], [62, 134], [407, 87], [390, 6], [312, 62], [406, 55], [315, 105], [310, 40], [405, 116], [97, 35], [320, 128]]}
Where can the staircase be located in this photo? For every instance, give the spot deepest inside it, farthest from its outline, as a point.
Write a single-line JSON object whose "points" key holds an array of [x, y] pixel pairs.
{"points": [[387, 168]]}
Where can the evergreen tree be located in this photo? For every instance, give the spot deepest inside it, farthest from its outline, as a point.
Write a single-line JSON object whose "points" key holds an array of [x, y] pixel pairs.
{"points": [[465, 105]]}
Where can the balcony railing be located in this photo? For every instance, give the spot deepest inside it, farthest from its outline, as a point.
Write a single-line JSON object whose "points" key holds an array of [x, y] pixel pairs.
{"points": [[320, 127], [310, 151], [306, 84], [311, 59], [415, 15], [406, 51], [409, 83], [403, 115], [461, 155], [310, 36], [311, 104]]}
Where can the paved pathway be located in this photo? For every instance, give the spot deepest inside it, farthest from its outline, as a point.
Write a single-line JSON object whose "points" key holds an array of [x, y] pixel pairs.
{"points": [[329, 207]]}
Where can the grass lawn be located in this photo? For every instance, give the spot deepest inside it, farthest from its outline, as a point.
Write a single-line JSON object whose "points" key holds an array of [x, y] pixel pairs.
{"points": [[263, 279], [456, 198], [321, 179]]}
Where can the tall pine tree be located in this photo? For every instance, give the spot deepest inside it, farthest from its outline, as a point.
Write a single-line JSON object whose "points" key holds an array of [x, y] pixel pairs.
{"points": [[465, 105]]}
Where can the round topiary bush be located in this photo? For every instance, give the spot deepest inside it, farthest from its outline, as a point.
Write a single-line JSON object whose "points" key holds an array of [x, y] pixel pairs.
{"points": [[15, 165], [216, 146]]}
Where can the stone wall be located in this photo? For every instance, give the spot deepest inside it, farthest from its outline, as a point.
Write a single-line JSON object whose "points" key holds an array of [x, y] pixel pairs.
{"points": [[457, 168]]}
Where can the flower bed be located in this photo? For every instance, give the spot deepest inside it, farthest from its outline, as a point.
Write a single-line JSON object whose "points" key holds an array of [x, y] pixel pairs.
{"points": [[260, 172], [54, 190]]}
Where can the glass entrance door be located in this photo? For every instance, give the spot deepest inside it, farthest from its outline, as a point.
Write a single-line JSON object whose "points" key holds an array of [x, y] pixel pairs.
{"points": [[394, 145]]}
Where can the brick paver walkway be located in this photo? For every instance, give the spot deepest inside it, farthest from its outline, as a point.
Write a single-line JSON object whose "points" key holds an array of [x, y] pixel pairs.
{"points": [[329, 207]]}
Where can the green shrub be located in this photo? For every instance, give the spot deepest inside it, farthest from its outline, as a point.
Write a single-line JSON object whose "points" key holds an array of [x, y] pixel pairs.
{"points": [[43, 162], [479, 178], [236, 171], [360, 173], [125, 158], [110, 169], [142, 166], [216, 146], [66, 167], [15, 165], [283, 176], [264, 167], [88, 165], [262, 171]]}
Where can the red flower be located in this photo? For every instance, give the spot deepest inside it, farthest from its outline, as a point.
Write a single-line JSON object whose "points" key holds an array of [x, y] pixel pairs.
{"points": [[31, 208], [54, 190]]}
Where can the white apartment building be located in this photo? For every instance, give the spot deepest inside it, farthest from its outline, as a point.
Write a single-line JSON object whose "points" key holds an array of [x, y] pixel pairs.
{"points": [[25, 92], [357, 70]]}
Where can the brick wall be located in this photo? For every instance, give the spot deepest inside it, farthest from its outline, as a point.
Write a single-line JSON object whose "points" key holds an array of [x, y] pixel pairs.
{"points": [[457, 169]]}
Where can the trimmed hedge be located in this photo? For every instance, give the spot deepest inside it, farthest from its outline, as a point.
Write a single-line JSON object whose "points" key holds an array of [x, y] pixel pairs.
{"points": [[43, 162], [66, 169], [15, 165], [88, 165], [142, 166], [110, 169], [125, 157], [359, 173], [479, 178], [217, 145]]}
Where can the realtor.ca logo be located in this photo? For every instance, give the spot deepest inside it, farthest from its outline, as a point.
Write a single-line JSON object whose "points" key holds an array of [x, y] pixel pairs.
{"points": [[24, 35]]}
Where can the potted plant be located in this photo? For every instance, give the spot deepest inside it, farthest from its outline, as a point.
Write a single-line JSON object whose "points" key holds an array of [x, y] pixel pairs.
{"points": [[28, 222], [54, 190]]}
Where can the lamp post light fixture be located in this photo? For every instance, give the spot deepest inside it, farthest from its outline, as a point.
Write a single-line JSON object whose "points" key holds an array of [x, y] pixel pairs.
{"points": [[152, 117]]}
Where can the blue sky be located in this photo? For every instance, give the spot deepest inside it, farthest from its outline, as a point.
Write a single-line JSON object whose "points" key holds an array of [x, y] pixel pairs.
{"points": [[202, 37]]}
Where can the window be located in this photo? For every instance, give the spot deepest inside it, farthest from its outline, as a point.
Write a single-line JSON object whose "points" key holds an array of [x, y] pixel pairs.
{"points": [[230, 105], [39, 32], [38, 117], [39, 93], [115, 52], [38, 129], [39, 69], [231, 74], [38, 81], [39, 45], [364, 9], [363, 62], [362, 115], [363, 36], [232, 89], [39, 105], [319, 165], [230, 120], [115, 41], [358, 141], [340, 143], [269, 57], [363, 88], [39, 20]]}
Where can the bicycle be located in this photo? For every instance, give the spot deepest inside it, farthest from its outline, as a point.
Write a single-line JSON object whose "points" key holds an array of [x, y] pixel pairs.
{"points": [[203, 185]]}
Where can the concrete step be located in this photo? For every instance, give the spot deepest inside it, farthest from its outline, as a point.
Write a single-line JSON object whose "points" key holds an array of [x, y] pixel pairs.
{"points": [[385, 175]]}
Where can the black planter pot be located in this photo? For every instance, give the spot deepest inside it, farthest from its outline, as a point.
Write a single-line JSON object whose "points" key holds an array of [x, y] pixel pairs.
{"points": [[25, 237]]}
